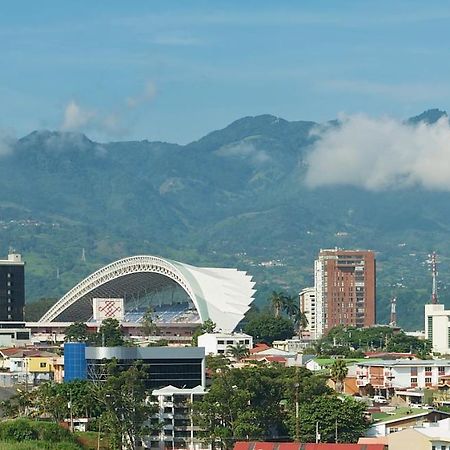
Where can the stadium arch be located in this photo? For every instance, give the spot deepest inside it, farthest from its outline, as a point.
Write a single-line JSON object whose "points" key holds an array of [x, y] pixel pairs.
{"points": [[220, 294]]}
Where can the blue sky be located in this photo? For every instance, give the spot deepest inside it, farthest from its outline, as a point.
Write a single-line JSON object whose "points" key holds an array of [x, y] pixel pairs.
{"points": [[173, 71]]}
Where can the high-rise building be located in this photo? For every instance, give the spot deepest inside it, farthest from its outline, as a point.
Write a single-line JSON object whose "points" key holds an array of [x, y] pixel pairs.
{"points": [[345, 286], [308, 307], [12, 288]]}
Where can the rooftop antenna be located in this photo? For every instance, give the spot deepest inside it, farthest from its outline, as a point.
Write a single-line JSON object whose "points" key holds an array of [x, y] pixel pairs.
{"points": [[393, 321], [434, 296], [83, 255]]}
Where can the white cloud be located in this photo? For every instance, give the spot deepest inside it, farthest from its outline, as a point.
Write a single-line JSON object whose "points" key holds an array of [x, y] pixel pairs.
{"points": [[147, 94], [244, 150], [7, 142], [78, 118], [380, 154]]}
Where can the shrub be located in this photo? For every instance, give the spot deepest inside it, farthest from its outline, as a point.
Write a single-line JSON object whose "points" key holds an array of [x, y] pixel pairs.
{"points": [[49, 431], [18, 430]]}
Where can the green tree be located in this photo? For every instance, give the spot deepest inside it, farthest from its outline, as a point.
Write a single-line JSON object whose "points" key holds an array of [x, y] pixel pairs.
{"points": [[217, 364], [277, 300], [110, 334], [149, 326], [338, 372], [238, 351], [124, 399], [330, 414], [266, 328], [76, 332], [208, 326], [291, 306]]}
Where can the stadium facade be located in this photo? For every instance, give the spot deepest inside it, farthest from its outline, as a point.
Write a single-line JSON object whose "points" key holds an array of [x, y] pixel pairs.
{"points": [[177, 293]]}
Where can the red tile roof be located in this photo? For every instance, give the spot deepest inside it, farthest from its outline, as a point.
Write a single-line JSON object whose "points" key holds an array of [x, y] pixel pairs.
{"points": [[259, 348], [302, 446]]}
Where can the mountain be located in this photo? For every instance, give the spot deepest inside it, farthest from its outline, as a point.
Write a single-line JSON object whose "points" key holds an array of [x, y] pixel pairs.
{"points": [[235, 197]]}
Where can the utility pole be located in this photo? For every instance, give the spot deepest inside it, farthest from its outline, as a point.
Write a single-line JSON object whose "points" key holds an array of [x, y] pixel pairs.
{"points": [[336, 432]]}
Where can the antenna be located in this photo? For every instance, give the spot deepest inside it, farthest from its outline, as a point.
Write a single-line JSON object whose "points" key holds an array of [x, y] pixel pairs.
{"points": [[434, 296], [393, 321]]}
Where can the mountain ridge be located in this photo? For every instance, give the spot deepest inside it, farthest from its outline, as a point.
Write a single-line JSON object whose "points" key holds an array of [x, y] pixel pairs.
{"points": [[234, 197]]}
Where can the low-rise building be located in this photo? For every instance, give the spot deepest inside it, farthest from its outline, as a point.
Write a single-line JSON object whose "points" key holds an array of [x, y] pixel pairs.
{"points": [[220, 343], [385, 376], [404, 418], [28, 364]]}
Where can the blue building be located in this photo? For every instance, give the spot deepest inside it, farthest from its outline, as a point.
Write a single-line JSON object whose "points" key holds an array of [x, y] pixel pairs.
{"points": [[181, 367]]}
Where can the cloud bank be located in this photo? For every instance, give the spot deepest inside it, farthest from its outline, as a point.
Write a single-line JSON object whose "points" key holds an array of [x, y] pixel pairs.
{"points": [[381, 154]]}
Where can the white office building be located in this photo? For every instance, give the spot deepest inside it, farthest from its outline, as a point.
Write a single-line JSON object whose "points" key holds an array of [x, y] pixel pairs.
{"points": [[437, 328], [219, 343]]}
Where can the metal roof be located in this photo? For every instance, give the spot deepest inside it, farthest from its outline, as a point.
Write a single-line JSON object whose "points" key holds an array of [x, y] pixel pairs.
{"points": [[222, 295]]}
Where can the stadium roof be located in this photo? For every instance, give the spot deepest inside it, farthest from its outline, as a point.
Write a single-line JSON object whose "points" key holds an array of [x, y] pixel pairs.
{"points": [[222, 295]]}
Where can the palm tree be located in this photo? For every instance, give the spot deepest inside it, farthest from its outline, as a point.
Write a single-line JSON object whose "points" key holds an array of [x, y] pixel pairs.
{"points": [[291, 306], [301, 321], [338, 372], [238, 351], [277, 300]]}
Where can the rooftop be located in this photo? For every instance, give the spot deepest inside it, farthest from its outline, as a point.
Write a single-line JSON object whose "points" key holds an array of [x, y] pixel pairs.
{"points": [[405, 362]]}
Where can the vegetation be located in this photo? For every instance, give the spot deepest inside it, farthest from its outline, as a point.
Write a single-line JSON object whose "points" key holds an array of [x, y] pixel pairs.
{"points": [[208, 326], [266, 328], [238, 351], [27, 434], [338, 372], [352, 342], [259, 403], [50, 221]]}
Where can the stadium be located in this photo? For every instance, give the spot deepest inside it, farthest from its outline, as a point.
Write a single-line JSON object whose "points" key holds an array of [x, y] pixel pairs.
{"points": [[181, 296]]}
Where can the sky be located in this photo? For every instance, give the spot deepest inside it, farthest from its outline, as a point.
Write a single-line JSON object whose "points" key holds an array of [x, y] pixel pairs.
{"points": [[176, 70]]}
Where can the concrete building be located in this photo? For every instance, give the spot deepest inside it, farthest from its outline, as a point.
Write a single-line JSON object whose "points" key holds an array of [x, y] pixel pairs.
{"points": [[387, 376], [12, 288], [175, 413], [219, 343], [345, 285], [308, 308], [182, 367], [420, 438], [437, 328], [406, 421]]}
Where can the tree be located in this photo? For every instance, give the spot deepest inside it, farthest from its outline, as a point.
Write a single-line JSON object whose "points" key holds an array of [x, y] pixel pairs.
{"points": [[208, 326], [338, 372], [266, 328], [291, 306], [254, 402], [127, 411], [76, 332], [110, 334], [277, 300], [149, 326], [238, 351], [329, 414]]}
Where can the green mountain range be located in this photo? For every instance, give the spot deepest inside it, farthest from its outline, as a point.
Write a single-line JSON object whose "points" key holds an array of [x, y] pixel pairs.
{"points": [[236, 197]]}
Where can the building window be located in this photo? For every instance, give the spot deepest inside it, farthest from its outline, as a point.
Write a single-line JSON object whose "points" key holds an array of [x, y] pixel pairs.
{"points": [[221, 351], [427, 369], [414, 371], [430, 328], [42, 365], [441, 370], [230, 342], [413, 380], [221, 342], [428, 380]]}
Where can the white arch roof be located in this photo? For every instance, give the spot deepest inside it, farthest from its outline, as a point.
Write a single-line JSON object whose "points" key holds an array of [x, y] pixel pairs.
{"points": [[222, 295]]}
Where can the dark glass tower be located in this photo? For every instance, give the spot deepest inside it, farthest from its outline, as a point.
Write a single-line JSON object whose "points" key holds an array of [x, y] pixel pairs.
{"points": [[12, 288]]}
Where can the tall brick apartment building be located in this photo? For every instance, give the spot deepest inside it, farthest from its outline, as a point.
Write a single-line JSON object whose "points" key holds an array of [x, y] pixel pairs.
{"points": [[345, 285]]}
